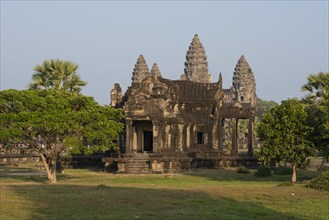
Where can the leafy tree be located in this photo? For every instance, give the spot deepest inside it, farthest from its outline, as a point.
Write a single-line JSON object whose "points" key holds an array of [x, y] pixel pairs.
{"points": [[284, 135], [52, 123], [317, 100], [57, 75], [264, 106]]}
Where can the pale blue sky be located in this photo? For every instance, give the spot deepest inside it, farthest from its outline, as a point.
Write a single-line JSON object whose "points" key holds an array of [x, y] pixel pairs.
{"points": [[282, 41]]}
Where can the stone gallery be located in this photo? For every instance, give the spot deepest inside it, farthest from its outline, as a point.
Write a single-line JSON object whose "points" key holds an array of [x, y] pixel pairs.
{"points": [[174, 125]]}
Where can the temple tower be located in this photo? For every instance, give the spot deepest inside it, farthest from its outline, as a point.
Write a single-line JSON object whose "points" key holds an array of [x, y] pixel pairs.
{"points": [[116, 95], [244, 85], [196, 65], [155, 71], [141, 70]]}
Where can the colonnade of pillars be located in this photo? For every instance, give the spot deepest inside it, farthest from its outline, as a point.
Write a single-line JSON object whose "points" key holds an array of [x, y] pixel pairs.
{"points": [[157, 135], [130, 135], [251, 135]]}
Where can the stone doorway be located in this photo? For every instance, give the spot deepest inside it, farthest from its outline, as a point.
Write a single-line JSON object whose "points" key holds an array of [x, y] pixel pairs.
{"points": [[143, 136]]}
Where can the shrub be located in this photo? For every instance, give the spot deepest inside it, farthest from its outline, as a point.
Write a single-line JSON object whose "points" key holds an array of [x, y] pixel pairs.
{"points": [[284, 184], [321, 182], [263, 171], [324, 168], [283, 171], [242, 170]]}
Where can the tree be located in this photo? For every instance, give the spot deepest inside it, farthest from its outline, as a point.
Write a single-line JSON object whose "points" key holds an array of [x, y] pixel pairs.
{"points": [[317, 100], [52, 123], [264, 106], [284, 135], [57, 75]]}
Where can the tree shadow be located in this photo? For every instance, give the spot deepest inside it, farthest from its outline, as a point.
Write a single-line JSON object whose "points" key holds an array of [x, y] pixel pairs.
{"points": [[30, 175], [107, 202], [231, 175]]}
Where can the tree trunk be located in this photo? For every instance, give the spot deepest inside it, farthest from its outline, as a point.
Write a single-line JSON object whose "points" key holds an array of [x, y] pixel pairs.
{"points": [[51, 171], [294, 174]]}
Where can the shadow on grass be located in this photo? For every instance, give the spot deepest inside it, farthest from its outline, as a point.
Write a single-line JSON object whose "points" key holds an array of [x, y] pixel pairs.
{"points": [[232, 175], [106, 202], [30, 175]]}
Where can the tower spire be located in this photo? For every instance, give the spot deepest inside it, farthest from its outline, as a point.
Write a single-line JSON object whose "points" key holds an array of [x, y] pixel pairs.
{"points": [[141, 70], [244, 84], [196, 65], [155, 70]]}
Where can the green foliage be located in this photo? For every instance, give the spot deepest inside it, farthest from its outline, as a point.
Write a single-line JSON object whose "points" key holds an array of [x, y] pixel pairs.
{"points": [[53, 122], [317, 100], [323, 168], [58, 75], [285, 184], [263, 172], [265, 106], [284, 134], [283, 170], [318, 87], [242, 170], [321, 182]]}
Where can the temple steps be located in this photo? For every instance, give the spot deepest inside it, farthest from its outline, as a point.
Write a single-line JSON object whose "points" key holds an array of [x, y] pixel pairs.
{"points": [[138, 163]]}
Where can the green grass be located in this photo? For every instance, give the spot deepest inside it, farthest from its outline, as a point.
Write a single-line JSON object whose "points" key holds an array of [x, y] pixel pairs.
{"points": [[201, 194]]}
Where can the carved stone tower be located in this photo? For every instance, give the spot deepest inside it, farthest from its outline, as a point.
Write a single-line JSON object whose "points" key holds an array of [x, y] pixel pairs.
{"points": [[155, 71], [196, 65], [141, 70], [244, 85], [116, 95]]}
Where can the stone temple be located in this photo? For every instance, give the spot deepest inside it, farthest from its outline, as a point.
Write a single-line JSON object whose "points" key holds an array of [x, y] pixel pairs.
{"points": [[174, 125]]}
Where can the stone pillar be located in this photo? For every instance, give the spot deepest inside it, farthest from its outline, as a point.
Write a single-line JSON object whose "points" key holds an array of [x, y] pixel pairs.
{"points": [[139, 140], [167, 137], [214, 138], [220, 133], [156, 136], [251, 135], [188, 136], [129, 136], [180, 138], [235, 137], [220, 127], [192, 137]]}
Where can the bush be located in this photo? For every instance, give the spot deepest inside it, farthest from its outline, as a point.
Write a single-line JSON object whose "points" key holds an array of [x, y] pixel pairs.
{"points": [[242, 170], [283, 171], [321, 182], [324, 168], [284, 184], [263, 171]]}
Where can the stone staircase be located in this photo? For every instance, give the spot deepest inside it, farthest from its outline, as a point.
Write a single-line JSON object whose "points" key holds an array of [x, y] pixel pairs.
{"points": [[138, 163]]}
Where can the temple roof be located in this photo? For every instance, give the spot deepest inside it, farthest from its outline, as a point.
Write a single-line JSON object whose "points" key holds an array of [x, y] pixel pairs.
{"points": [[189, 91]]}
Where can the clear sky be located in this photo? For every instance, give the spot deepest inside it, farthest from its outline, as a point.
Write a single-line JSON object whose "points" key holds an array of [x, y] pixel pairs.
{"points": [[283, 41]]}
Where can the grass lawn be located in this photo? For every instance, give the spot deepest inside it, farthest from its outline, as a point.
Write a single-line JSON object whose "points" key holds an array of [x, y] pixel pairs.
{"points": [[201, 194]]}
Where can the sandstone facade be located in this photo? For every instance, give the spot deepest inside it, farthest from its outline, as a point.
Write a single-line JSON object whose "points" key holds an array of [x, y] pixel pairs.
{"points": [[181, 123]]}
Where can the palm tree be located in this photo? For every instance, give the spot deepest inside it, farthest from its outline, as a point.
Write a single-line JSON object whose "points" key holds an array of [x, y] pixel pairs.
{"points": [[57, 75]]}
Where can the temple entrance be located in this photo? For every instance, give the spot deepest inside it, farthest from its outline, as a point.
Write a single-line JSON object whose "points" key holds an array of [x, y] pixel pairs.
{"points": [[143, 136], [148, 141]]}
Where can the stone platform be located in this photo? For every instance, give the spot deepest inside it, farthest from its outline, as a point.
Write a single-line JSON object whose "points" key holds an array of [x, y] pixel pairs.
{"points": [[177, 162]]}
